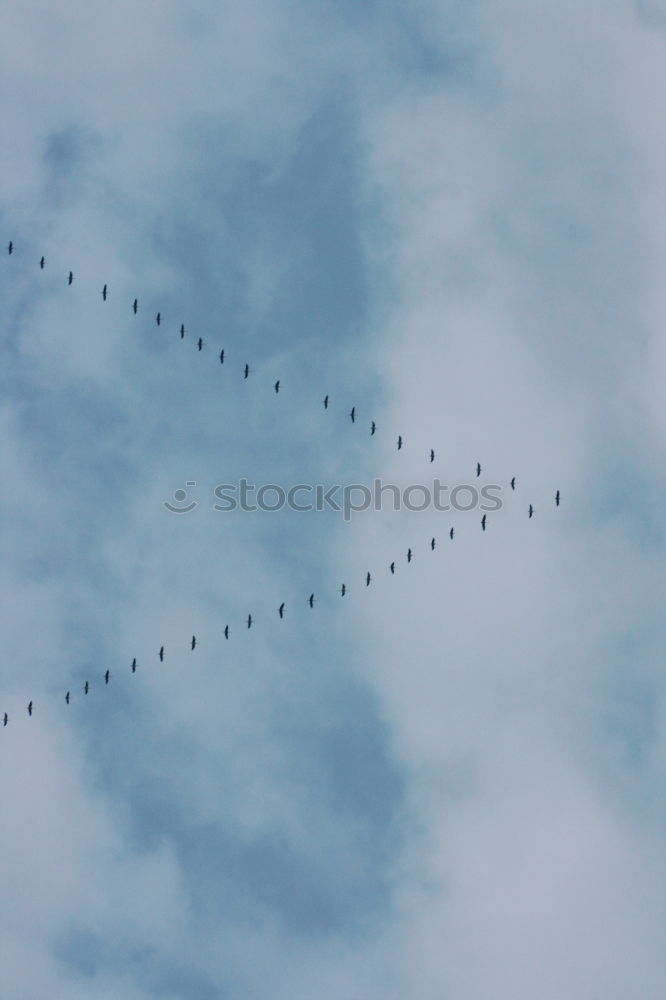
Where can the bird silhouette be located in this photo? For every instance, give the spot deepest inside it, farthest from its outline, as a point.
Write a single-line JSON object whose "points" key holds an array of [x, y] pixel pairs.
{"points": [[352, 414], [226, 631], [221, 357], [161, 654], [432, 454], [557, 499], [249, 621], [104, 294], [392, 567], [325, 402], [432, 544], [182, 331], [531, 510], [86, 687], [277, 386], [67, 698], [246, 371], [478, 469], [373, 427], [10, 247], [343, 590], [70, 278], [368, 578], [513, 483], [134, 665], [106, 677], [135, 305], [194, 641], [42, 261], [5, 719], [158, 318], [451, 533], [311, 600], [399, 442], [281, 610], [483, 522], [199, 343], [29, 708], [409, 555]]}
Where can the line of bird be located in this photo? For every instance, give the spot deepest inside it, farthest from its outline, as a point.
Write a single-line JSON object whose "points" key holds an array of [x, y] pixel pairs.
{"points": [[326, 400], [281, 611], [247, 370]]}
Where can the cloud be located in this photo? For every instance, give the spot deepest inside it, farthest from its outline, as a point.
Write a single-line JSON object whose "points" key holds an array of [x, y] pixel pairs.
{"points": [[444, 781], [652, 13]]}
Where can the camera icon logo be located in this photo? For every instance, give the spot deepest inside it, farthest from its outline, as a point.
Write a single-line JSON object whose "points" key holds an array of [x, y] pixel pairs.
{"points": [[179, 497]]}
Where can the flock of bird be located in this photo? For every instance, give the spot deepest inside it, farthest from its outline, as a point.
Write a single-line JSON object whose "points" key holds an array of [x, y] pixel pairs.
{"points": [[281, 610], [247, 370]]}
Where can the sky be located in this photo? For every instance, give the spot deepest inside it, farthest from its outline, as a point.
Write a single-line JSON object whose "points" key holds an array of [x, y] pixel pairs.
{"points": [[449, 783]]}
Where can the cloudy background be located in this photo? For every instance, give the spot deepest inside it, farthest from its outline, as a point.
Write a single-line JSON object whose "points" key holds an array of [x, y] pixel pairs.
{"points": [[451, 216]]}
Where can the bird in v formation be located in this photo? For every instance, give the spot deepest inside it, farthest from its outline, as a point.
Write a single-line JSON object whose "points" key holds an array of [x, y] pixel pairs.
{"points": [[352, 415]]}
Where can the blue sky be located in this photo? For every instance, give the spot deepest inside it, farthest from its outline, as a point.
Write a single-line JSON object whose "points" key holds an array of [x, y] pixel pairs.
{"points": [[449, 783]]}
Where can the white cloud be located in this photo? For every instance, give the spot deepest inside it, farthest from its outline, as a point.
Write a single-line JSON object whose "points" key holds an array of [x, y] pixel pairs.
{"points": [[445, 781]]}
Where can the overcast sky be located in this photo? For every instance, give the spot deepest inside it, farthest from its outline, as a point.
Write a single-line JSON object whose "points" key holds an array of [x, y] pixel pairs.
{"points": [[447, 785]]}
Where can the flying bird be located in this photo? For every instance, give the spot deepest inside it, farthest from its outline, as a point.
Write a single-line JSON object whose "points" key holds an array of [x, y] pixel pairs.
{"points": [[392, 567], [281, 610], [86, 687], [67, 698], [483, 522], [226, 631], [42, 262], [221, 357], [373, 427], [343, 590], [451, 533], [311, 600], [368, 578], [246, 371], [513, 483], [277, 386], [29, 708], [199, 343], [135, 305], [432, 544], [182, 331], [249, 621], [557, 499], [5, 719], [10, 247], [158, 318], [325, 402], [104, 294], [106, 677], [531, 510], [432, 454], [194, 641], [409, 555], [478, 469], [399, 442], [134, 665], [353, 414], [161, 654], [70, 279]]}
